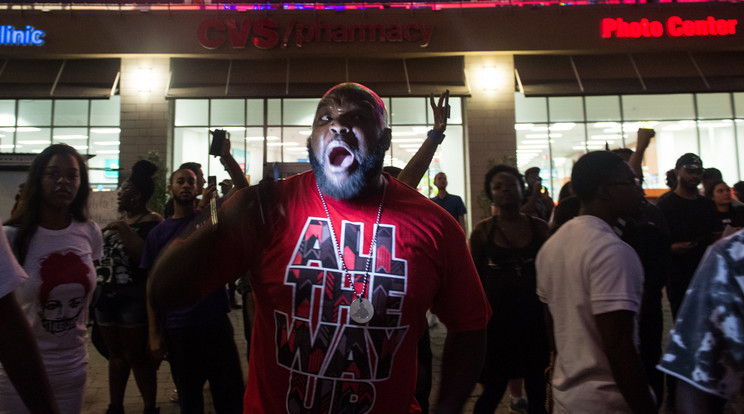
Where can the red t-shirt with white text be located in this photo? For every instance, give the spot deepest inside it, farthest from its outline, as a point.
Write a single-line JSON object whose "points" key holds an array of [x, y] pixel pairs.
{"points": [[307, 354]]}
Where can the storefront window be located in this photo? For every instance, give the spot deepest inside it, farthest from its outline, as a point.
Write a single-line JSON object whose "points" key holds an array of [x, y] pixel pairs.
{"points": [[566, 109], [34, 112], [602, 108], [73, 112], [227, 112], [658, 107], [192, 112], [89, 126], [717, 147], [700, 123], [288, 125], [714, 106]]}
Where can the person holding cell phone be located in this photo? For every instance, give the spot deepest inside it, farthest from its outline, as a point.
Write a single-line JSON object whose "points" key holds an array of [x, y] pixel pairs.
{"points": [[536, 201]]}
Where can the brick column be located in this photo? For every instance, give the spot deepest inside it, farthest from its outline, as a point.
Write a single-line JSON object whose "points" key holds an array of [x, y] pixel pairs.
{"points": [[144, 114], [490, 124]]}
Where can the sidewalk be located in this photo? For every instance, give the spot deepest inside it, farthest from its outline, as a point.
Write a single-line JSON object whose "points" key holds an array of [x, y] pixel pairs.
{"points": [[96, 394]]}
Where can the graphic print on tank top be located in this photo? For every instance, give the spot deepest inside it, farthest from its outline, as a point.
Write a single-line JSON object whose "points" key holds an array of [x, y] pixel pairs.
{"points": [[334, 361]]}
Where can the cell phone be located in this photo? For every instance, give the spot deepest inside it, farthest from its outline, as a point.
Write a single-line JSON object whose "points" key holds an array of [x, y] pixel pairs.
{"points": [[218, 140], [212, 180]]}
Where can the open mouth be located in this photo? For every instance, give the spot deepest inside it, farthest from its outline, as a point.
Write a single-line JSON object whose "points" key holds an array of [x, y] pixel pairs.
{"points": [[340, 157]]}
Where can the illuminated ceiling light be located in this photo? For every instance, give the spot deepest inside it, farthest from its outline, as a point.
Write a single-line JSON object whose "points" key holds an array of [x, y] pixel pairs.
{"points": [[404, 133], [599, 125], [107, 143], [143, 80], [404, 140], [107, 151], [7, 146], [605, 137], [562, 126], [34, 142], [490, 78], [105, 130], [284, 144], [531, 146], [409, 145], [523, 127], [68, 137]]}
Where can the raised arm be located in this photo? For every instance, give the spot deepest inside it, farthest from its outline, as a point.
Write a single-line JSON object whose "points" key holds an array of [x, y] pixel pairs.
{"points": [[462, 362], [643, 139], [419, 163], [236, 173]]}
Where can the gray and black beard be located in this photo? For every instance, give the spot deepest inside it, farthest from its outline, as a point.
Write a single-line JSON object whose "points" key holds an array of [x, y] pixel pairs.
{"points": [[360, 180]]}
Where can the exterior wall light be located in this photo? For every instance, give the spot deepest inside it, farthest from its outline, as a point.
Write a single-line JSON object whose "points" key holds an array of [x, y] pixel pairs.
{"points": [[490, 78]]}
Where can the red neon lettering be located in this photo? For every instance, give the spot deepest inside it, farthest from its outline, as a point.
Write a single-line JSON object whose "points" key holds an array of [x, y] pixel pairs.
{"points": [[657, 29], [238, 36], [408, 32], [673, 26], [267, 34], [676, 27], [621, 28], [203, 33], [635, 29], [304, 34], [608, 26]]}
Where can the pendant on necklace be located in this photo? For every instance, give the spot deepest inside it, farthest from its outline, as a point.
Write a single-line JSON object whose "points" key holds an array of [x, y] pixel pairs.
{"points": [[361, 310]]}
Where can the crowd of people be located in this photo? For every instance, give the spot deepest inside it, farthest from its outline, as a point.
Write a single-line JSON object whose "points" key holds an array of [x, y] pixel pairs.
{"points": [[339, 266]]}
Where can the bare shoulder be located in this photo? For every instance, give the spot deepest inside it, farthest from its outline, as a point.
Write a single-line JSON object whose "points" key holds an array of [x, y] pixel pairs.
{"points": [[481, 229], [152, 216]]}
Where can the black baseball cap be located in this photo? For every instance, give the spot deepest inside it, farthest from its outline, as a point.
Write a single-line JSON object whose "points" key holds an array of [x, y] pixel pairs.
{"points": [[689, 161]]}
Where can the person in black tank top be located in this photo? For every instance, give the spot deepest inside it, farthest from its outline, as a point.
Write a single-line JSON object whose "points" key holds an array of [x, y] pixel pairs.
{"points": [[504, 248]]}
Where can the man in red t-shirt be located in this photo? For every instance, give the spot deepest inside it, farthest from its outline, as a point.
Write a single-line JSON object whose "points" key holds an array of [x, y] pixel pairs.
{"points": [[344, 262]]}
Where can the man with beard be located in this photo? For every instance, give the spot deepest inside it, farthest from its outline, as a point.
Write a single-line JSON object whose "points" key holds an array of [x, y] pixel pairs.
{"points": [[692, 222], [198, 338], [345, 261]]}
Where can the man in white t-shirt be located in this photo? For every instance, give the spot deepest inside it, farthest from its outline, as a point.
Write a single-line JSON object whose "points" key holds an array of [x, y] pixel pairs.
{"points": [[19, 353], [592, 283]]}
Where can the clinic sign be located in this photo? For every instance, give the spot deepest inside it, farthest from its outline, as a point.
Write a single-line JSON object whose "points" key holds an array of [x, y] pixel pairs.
{"points": [[674, 27], [265, 33], [24, 36]]}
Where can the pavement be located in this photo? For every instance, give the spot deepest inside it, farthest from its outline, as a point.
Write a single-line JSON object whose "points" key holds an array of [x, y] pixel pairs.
{"points": [[96, 398]]}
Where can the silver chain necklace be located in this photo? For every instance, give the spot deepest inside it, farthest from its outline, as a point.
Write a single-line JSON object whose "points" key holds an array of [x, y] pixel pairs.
{"points": [[361, 311]]}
